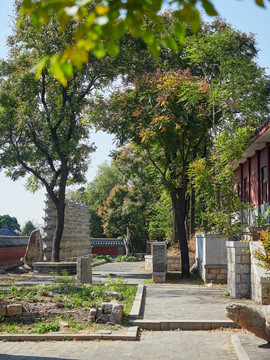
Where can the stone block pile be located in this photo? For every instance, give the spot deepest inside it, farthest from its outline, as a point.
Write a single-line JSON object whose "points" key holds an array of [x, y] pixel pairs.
{"points": [[109, 312], [11, 310]]}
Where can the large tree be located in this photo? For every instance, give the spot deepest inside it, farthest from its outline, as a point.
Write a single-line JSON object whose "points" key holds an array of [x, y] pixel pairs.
{"points": [[167, 115], [42, 128], [218, 57]]}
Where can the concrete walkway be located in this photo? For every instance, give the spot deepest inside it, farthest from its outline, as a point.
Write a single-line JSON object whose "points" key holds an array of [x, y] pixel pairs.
{"points": [[132, 272], [183, 301], [153, 346]]}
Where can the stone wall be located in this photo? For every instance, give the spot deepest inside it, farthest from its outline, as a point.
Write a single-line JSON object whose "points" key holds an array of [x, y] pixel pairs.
{"points": [[216, 274], [173, 262], [76, 236], [245, 277], [239, 280]]}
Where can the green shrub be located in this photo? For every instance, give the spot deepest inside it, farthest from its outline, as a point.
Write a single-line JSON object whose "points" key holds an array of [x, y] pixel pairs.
{"points": [[121, 258], [43, 328]]}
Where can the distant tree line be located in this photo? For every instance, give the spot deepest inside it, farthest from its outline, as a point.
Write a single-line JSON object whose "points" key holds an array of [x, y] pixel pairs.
{"points": [[13, 224]]}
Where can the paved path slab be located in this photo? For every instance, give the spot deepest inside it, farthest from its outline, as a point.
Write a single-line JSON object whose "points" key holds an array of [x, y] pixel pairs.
{"points": [[252, 348], [185, 302], [184, 345], [133, 272]]}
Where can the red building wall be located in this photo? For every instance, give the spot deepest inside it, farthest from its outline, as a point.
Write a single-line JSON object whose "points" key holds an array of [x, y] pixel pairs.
{"points": [[252, 170], [254, 181]]}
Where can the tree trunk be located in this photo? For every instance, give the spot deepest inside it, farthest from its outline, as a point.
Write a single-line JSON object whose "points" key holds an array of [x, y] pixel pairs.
{"points": [[126, 242], [60, 209], [192, 212], [179, 206], [176, 239], [59, 231], [187, 217]]}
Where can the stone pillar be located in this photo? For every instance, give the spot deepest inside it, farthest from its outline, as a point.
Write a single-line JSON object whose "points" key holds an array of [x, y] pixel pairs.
{"points": [[149, 246], [238, 264], [159, 258], [84, 270]]}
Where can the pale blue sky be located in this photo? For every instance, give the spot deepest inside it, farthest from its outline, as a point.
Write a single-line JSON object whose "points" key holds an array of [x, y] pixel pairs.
{"points": [[16, 201]]}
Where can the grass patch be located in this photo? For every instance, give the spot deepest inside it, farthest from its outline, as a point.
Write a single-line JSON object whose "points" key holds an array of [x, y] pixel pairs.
{"points": [[175, 278], [124, 258], [120, 258], [98, 258], [148, 281], [63, 301], [196, 279]]}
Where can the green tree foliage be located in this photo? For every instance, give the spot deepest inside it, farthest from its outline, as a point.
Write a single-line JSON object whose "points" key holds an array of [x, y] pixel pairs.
{"points": [[214, 182], [103, 23], [124, 194], [148, 113], [125, 207], [96, 193], [28, 228], [262, 254], [129, 204], [43, 132], [11, 222], [161, 219], [227, 59]]}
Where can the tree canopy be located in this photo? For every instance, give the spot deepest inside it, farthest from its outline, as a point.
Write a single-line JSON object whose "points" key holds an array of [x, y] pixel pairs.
{"points": [[11, 222], [125, 195], [95, 193], [167, 115], [43, 132], [28, 228], [174, 115], [214, 182], [103, 23]]}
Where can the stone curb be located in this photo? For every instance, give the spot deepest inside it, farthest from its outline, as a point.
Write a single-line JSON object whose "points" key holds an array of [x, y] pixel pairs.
{"points": [[159, 325], [101, 262], [132, 335], [137, 304], [239, 348]]}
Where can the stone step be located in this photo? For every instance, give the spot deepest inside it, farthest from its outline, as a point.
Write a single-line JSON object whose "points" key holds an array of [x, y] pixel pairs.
{"points": [[157, 325]]}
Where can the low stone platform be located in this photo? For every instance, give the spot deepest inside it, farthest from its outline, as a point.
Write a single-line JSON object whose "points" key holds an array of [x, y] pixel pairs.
{"points": [[57, 267]]}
